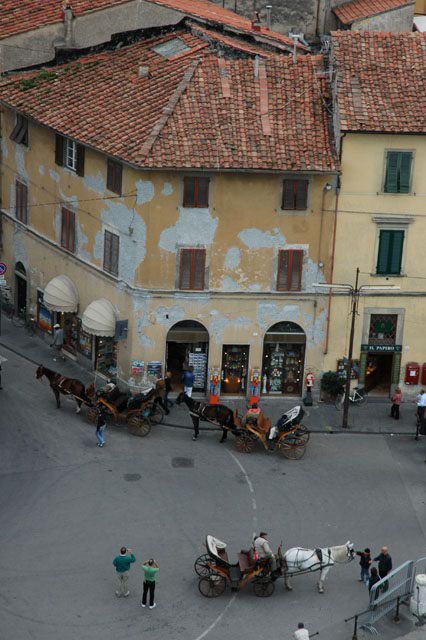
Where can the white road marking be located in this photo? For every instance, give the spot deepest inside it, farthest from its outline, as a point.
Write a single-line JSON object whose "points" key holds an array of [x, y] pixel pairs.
{"points": [[218, 619]]}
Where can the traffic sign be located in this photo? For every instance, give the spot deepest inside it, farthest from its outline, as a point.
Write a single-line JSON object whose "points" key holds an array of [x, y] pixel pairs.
{"points": [[3, 268]]}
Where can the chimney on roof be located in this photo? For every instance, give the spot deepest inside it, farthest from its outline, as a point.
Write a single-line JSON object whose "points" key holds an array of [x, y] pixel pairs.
{"points": [[68, 24], [143, 71], [255, 22], [269, 16]]}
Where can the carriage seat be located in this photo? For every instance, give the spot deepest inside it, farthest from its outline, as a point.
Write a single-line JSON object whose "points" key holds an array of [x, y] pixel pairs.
{"points": [[140, 398], [222, 553], [259, 421], [121, 402], [246, 560]]}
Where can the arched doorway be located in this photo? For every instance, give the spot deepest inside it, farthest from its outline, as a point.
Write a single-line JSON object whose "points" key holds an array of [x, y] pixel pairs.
{"points": [[20, 286], [188, 346], [283, 359]]}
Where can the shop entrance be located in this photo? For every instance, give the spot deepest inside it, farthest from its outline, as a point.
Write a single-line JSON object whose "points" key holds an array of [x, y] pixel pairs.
{"points": [[283, 359], [378, 373], [188, 346], [20, 286], [235, 359]]}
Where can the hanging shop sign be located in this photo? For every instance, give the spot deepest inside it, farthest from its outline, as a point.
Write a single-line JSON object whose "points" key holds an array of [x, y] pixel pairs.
{"points": [[382, 348]]}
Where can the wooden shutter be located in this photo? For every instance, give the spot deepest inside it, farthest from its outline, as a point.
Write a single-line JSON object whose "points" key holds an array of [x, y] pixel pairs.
{"points": [[192, 269], [188, 192], [199, 264], [111, 252], [202, 198], [80, 160], [288, 194], [185, 269], [107, 250], [390, 252], [301, 194], [21, 204], [68, 230], [289, 276], [59, 150], [114, 176], [405, 172]]}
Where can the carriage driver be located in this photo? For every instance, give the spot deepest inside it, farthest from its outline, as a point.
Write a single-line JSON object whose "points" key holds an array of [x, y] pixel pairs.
{"points": [[264, 551]]}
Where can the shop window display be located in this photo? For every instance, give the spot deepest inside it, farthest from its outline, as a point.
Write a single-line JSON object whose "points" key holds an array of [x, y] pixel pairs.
{"points": [[283, 369], [106, 356]]}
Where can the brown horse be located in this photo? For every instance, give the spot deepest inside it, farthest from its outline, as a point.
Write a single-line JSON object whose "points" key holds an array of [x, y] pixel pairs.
{"points": [[217, 414], [67, 386]]}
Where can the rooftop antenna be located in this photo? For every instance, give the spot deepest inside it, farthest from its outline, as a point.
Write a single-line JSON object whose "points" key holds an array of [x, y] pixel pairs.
{"points": [[297, 37]]}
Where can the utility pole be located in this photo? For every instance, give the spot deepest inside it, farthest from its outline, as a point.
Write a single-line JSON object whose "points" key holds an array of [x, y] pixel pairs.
{"points": [[355, 298]]}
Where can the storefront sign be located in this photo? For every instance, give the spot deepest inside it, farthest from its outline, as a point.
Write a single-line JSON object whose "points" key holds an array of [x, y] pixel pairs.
{"points": [[137, 367], [382, 348], [85, 343], [154, 368]]}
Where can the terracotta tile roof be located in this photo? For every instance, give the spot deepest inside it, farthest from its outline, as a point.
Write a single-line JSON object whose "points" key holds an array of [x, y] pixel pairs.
{"points": [[380, 81], [192, 111], [17, 16], [359, 9], [229, 42], [206, 10]]}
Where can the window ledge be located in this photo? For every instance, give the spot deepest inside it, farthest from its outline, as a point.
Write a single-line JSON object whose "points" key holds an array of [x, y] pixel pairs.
{"points": [[388, 275], [294, 211], [393, 219]]}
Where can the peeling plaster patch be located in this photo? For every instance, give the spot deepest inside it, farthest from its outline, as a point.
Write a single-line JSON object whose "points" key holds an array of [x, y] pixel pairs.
{"points": [[82, 240], [41, 169], [255, 287], [214, 312], [175, 314], [311, 274], [12, 197], [20, 161], [146, 342], [167, 189], [220, 323], [195, 227], [20, 247], [145, 191], [54, 175], [57, 223], [268, 313], [4, 148], [319, 328], [95, 183], [116, 217], [232, 258], [258, 239], [229, 284]]}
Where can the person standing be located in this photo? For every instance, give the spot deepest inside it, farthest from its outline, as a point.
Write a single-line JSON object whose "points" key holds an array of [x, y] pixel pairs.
{"points": [[385, 562], [301, 633], [372, 581], [100, 426], [421, 404], [169, 389], [364, 563], [188, 381], [160, 392], [150, 569], [122, 566], [396, 403], [58, 341]]}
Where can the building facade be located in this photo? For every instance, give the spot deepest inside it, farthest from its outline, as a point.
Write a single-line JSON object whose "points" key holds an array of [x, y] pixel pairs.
{"points": [[174, 220]]}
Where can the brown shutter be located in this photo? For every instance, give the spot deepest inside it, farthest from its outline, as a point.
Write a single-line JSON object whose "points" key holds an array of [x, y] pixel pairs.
{"points": [[296, 261], [80, 160], [185, 269], [64, 228], [301, 194], [283, 269], [188, 192], [59, 150], [202, 192], [288, 194], [199, 267], [71, 245], [107, 251], [115, 254]]}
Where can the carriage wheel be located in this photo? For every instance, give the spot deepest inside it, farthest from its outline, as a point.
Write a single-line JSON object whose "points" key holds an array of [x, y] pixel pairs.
{"points": [[292, 448], [263, 588], [303, 433], [156, 414], [212, 586], [201, 566], [245, 443], [138, 425], [92, 415]]}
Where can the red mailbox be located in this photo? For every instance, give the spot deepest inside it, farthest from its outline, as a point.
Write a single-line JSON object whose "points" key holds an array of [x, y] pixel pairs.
{"points": [[412, 373], [424, 375]]}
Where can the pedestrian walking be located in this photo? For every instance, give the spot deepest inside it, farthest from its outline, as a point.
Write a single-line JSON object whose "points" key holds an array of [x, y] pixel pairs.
{"points": [[396, 403], [160, 392], [301, 633], [364, 563], [421, 404], [374, 577], [100, 426], [188, 381], [58, 341], [385, 565], [169, 389], [122, 566], [150, 569]]}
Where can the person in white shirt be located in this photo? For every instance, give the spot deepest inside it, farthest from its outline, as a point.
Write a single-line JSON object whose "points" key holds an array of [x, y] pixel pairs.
{"points": [[263, 550], [301, 633], [421, 404]]}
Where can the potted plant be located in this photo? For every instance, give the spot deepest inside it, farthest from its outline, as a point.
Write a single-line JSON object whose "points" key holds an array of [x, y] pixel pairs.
{"points": [[331, 386]]}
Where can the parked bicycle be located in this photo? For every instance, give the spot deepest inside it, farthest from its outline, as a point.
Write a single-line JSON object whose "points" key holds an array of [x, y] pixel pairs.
{"points": [[26, 320], [358, 396]]}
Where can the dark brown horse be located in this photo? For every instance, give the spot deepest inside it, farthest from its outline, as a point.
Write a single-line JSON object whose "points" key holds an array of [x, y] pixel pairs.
{"points": [[217, 414], [67, 386]]}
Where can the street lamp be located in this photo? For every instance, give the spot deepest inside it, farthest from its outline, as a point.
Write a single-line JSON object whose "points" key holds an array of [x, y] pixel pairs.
{"points": [[355, 292]]}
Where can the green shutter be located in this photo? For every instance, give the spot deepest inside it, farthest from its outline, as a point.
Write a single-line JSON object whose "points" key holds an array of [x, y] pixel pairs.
{"points": [[392, 165], [405, 172], [390, 252]]}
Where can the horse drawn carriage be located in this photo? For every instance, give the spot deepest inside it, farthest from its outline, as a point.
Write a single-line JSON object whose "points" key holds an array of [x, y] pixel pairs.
{"points": [[288, 436], [140, 412], [215, 571]]}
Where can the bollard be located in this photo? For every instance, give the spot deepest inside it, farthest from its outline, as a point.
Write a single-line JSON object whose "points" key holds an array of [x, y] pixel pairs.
{"points": [[397, 619], [355, 633], [307, 400]]}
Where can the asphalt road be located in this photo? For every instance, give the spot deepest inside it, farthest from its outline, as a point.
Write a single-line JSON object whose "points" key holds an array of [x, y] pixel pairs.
{"points": [[67, 506]]}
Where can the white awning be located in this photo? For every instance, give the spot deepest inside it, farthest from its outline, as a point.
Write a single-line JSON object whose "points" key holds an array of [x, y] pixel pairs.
{"points": [[61, 295], [99, 318], [420, 23]]}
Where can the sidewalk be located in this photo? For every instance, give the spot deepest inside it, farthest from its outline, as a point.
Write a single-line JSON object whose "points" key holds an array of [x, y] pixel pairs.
{"points": [[321, 418]]}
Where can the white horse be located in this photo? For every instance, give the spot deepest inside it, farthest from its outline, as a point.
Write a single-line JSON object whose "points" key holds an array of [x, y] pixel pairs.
{"points": [[298, 560]]}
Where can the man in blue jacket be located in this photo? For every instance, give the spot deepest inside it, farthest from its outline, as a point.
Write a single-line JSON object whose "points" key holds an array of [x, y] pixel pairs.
{"points": [[122, 566], [188, 381]]}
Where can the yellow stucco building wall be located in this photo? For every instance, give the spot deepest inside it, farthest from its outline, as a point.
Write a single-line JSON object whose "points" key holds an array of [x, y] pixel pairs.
{"points": [[242, 230]]}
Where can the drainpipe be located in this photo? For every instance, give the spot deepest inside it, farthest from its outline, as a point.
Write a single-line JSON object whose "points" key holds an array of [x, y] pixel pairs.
{"points": [[269, 16], [333, 250]]}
